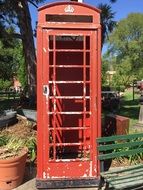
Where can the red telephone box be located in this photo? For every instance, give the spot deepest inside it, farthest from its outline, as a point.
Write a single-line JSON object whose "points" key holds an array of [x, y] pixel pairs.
{"points": [[68, 80]]}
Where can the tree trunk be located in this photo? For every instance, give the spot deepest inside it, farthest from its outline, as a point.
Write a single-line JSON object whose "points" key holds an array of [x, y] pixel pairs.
{"points": [[24, 22]]}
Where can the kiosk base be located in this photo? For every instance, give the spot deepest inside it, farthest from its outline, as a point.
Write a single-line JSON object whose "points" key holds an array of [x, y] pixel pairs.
{"points": [[66, 183]]}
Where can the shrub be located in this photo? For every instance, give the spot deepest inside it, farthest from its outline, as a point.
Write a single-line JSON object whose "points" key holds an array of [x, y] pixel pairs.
{"points": [[4, 84]]}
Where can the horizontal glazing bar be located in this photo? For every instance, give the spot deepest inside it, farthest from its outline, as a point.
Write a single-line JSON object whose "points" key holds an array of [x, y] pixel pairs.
{"points": [[69, 97], [70, 160], [68, 82], [69, 50], [69, 113], [69, 128], [69, 66], [66, 144]]}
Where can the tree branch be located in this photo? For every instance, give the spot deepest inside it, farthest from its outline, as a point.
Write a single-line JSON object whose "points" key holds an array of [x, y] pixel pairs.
{"points": [[17, 35], [6, 35], [33, 3]]}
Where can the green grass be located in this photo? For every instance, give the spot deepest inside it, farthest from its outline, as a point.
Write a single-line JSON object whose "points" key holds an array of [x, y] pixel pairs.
{"points": [[129, 107]]}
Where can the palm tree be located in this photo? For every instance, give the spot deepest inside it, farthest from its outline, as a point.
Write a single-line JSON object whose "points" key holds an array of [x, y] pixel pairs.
{"points": [[113, 1], [107, 21]]}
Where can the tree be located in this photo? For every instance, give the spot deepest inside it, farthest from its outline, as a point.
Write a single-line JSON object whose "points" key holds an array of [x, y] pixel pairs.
{"points": [[122, 76], [126, 44], [11, 57], [107, 21], [113, 1], [17, 12], [20, 71], [104, 69]]}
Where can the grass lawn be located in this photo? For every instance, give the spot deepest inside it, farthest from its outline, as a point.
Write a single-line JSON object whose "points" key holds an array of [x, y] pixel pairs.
{"points": [[129, 107]]}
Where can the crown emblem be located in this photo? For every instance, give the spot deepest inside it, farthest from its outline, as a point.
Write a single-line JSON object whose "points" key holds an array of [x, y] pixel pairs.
{"points": [[69, 9]]}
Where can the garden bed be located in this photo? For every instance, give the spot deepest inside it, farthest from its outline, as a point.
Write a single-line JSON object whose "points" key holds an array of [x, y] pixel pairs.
{"points": [[25, 131]]}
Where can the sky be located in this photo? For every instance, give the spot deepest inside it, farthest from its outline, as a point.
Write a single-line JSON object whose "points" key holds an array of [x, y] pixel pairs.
{"points": [[121, 8]]}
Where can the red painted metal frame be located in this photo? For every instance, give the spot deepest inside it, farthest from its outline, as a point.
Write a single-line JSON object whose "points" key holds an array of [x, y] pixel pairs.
{"points": [[87, 166]]}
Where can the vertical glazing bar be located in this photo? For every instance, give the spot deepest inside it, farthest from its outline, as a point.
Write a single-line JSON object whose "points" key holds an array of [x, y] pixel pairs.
{"points": [[94, 108], [84, 93], [54, 95], [45, 102], [90, 87], [99, 93], [40, 104]]}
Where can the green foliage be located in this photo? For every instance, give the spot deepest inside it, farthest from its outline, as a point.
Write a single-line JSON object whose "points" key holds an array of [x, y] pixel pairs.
{"points": [[135, 158], [6, 62], [11, 59], [21, 70], [15, 143], [32, 146], [12, 62], [120, 88], [104, 69], [3, 140], [12, 145], [126, 45], [17, 13], [123, 75], [4, 84]]}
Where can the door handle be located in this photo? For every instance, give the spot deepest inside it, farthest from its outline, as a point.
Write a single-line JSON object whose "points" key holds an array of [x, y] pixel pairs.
{"points": [[45, 90]]}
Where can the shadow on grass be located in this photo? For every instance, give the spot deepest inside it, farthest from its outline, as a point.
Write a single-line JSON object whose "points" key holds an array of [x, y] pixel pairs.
{"points": [[129, 112], [129, 108], [130, 102]]}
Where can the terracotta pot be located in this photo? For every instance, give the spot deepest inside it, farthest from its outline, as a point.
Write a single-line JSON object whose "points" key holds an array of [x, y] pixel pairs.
{"points": [[12, 171]]}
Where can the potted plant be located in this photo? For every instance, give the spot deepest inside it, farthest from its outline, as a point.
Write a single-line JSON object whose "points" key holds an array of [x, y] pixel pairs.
{"points": [[13, 155]]}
